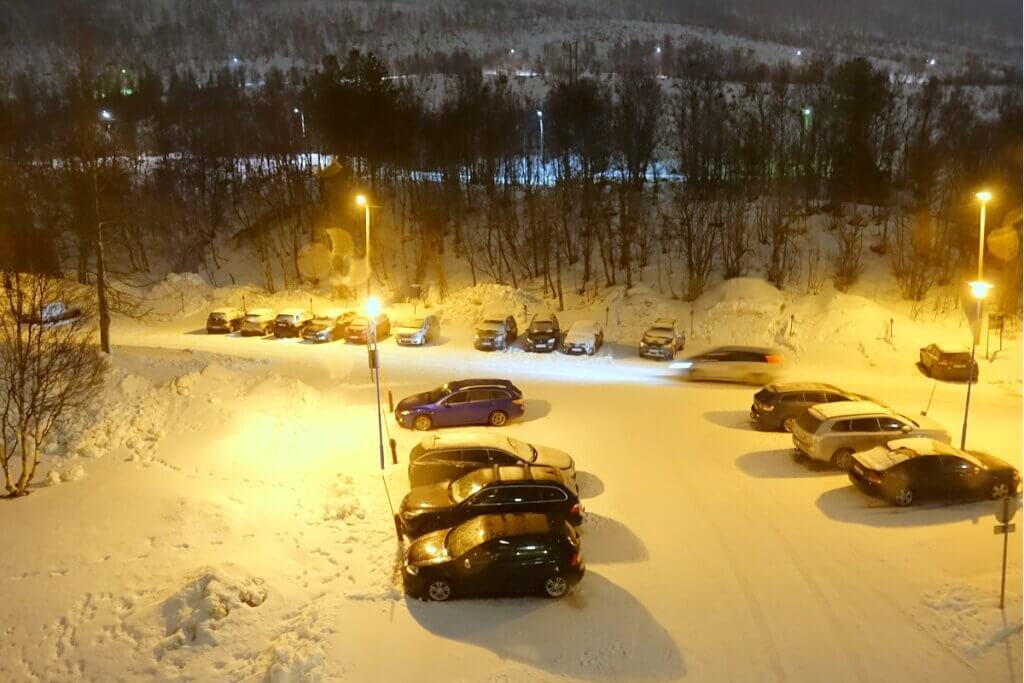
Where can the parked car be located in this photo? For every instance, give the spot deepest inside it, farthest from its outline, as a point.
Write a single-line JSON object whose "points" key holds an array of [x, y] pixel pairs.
{"points": [[328, 326], [543, 334], [418, 331], [259, 322], [904, 471], [833, 432], [662, 340], [495, 554], [52, 314], [777, 406], [495, 331], [224, 320], [462, 402], [747, 364], [359, 328], [948, 362], [494, 490], [584, 336], [440, 457], [291, 322]]}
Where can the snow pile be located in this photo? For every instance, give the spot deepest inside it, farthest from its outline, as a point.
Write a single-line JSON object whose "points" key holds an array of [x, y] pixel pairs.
{"points": [[178, 295], [470, 304], [967, 618], [58, 474], [296, 655], [342, 502]]}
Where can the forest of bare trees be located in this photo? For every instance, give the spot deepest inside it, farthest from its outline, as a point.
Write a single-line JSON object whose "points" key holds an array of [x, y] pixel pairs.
{"points": [[635, 176]]}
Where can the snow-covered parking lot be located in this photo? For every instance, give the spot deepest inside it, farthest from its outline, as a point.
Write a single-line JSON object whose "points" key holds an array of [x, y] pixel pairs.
{"points": [[237, 528]]}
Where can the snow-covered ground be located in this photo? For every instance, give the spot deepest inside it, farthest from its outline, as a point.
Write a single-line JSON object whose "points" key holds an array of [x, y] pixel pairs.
{"points": [[219, 514]]}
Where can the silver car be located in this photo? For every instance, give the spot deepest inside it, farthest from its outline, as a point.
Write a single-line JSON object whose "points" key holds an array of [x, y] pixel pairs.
{"points": [[747, 364], [418, 331], [833, 432]]}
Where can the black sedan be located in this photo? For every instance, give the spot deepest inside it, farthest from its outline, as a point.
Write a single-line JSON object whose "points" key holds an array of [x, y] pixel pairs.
{"points": [[495, 554], [905, 471], [778, 406], [512, 488]]}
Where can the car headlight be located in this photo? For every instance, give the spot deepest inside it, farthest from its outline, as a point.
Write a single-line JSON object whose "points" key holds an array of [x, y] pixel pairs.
{"points": [[412, 569], [403, 413], [682, 365], [643, 345]]}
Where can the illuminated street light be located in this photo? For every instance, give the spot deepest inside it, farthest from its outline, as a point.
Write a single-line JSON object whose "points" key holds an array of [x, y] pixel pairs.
{"points": [[106, 115], [362, 201], [657, 49], [979, 290], [540, 120], [799, 53]]}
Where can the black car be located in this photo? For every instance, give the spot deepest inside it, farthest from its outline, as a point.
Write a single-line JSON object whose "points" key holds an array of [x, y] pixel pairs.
{"points": [[778, 406], [328, 327], [544, 334], [948, 362], [904, 471], [495, 554], [526, 488], [495, 331]]}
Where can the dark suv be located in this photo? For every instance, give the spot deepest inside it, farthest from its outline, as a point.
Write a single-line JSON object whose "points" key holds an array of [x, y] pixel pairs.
{"points": [[495, 331], [949, 362], [779, 406], [462, 402], [512, 488], [543, 334], [492, 554]]}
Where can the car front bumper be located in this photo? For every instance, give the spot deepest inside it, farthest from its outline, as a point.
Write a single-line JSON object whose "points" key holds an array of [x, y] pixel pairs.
{"points": [[539, 347], [410, 341], [575, 350], [658, 352]]}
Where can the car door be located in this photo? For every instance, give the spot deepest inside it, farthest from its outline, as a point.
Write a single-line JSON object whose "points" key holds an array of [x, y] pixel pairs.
{"points": [[792, 404], [478, 405], [454, 411], [502, 458], [963, 479], [864, 434], [534, 559], [474, 570]]}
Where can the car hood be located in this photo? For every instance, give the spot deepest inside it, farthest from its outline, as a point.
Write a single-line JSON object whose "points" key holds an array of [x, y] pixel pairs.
{"points": [[409, 330], [428, 549], [579, 338], [317, 327], [490, 331], [991, 462], [656, 339], [414, 401], [541, 336], [552, 457], [425, 498]]}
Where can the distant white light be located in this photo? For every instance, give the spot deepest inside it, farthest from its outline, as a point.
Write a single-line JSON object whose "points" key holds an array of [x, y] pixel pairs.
{"points": [[295, 110], [540, 114], [124, 71], [512, 51], [799, 53], [658, 49], [234, 60], [106, 115], [807, 111], [931, 62]]}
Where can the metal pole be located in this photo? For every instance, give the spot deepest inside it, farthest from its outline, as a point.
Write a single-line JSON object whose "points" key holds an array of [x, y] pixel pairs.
{"points": [[366, 208], [970, 381], [981, 244], [1006, 537], [372, 330]]}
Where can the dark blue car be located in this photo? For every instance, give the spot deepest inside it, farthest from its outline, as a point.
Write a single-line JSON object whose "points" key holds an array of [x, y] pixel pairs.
{"points": [[462, 402]]}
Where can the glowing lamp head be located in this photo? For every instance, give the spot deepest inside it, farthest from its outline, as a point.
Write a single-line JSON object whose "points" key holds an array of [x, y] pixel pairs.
{"points": [[658, 49], [979, 289], [361, 199], [983, 196], [106, 115], [373, 307]]}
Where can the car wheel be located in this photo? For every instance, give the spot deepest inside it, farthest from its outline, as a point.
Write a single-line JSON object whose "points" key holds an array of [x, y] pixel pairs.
{"points": [[439, 590], [1000, 490], [497, 418], [422, 423], [842, 459], [904, 497], [555, 586], [788, 424]]}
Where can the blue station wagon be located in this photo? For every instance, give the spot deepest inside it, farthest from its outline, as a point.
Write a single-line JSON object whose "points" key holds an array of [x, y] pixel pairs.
{"points": [[462, 402]]}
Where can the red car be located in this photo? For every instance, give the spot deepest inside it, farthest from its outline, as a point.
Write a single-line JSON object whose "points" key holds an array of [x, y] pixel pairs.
{"points": [[357, 330]]}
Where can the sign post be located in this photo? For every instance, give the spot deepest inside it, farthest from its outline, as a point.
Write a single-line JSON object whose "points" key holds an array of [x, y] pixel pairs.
{"points": [[1005, 511]]}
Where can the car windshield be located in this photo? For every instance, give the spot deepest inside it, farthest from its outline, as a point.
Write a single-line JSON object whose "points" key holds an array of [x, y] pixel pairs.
{"points": [[436, 395], [415, 322], [254, 317], [663, 332], [322, 320], [464, 487], [764, 396], [544, 326], [359, 322], [465, 537]]}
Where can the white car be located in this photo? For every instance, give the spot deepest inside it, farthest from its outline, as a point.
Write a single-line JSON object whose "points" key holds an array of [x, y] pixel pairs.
{"points": [[442, 457], [259, 322], [228, 319], [584, 336], [833, 432], [747, 364]]}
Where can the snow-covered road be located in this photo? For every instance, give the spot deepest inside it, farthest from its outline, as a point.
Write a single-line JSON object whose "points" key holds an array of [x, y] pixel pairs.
{"points": [[238, 530]]}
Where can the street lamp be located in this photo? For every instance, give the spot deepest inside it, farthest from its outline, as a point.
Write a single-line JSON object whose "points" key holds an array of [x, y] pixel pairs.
{"points": [[372, 310], [363, 202], [540, 120], [979, 290], [984, 196], [302, 120]]}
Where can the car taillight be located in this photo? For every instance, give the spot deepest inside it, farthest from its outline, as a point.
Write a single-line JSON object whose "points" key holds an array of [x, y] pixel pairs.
{"points": [[517, 401], [765, 407], [576, 509], [576, 560], [873, 477], [772, 358]]}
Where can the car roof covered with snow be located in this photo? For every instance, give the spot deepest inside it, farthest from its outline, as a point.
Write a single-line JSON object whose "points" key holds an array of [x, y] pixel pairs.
{"points": [[802, 386], [828, 411], [477, 439], [259, 312], [952, 348], [331, 313], [897, 451], [226, 309], [293, 311]]}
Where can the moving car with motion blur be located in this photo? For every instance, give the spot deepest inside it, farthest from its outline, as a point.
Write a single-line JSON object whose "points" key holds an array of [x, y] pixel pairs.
{"points": [[258, 322], [905, 471], [462, 402], [778, 406], [418, 331], [440, 457], [328, 326], [496, 331], [358, 330], [584, 336], [495, 554], [291, 322], [833, 432], [662, 340], [946, 362], [224, 320], [543, 334], [516, 488], [746, 364]]}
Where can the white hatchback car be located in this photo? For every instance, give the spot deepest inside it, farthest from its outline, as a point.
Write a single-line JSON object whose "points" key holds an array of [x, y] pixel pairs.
{"points": [[584, 336], [833, 432]]}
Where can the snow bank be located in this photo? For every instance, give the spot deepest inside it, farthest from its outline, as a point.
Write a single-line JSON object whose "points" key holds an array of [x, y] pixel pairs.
{"points": [[967, 619], [470, 304]]}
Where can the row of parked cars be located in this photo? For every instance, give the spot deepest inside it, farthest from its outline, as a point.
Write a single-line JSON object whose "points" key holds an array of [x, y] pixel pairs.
{"points": [[328, 326], [887, 454], [486, 513]]}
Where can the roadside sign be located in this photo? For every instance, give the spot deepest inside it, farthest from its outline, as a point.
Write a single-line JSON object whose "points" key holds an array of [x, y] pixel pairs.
{"points": [[1004, 529], [1005, 509], [995, 321]]}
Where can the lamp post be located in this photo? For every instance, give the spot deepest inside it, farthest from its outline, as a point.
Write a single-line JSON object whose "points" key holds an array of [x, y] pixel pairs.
{"points": [[362, 201], [372, 311], [984, 196], [302, 120], [979, 290], [540, 120]]}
